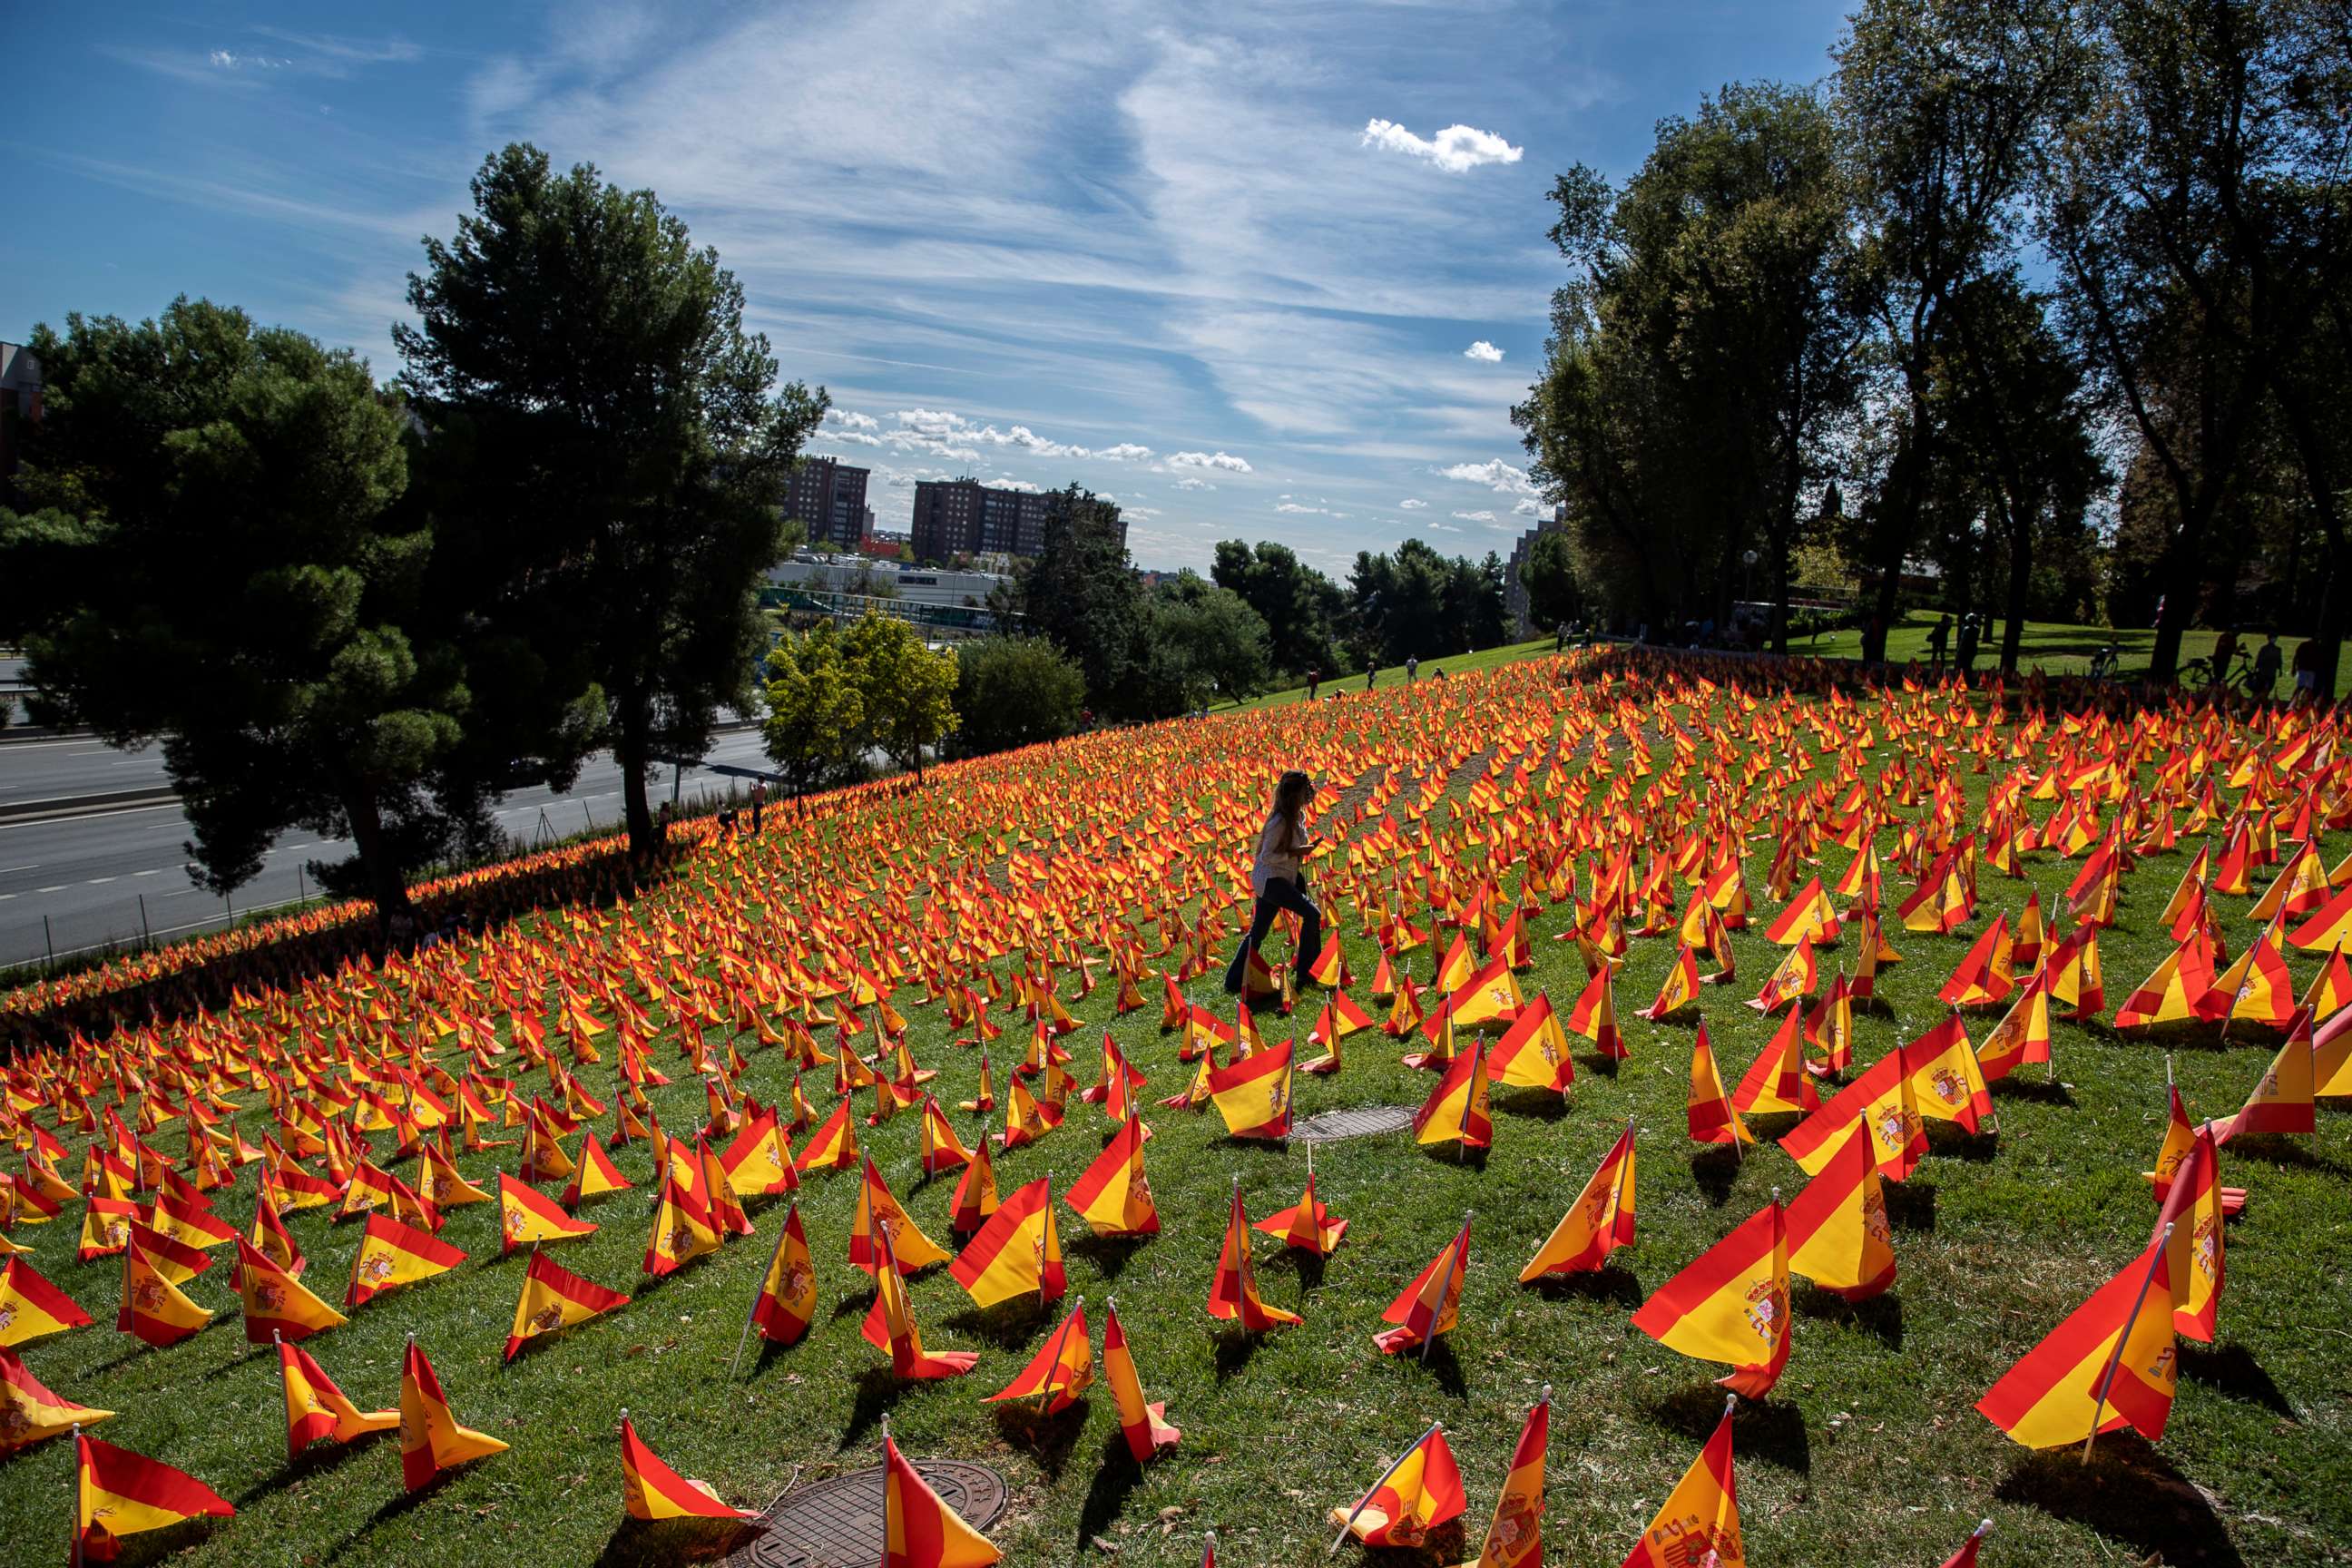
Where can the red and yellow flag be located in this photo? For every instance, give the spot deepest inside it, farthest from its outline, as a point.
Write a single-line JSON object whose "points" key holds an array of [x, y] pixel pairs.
{"points": [[650, 1490], [1599, 1222], [391, 1255], [528, 1216], [1731, 1304], [153, 1307], [1063, 1368], [29, 1413], [1018, 1251], [1419, 1493], [1432, 1303], [1456, 1110], [1713, 1119], [31, 1307], [555, 1297], [316, 1408], [1838, 1233], [1145, 1430], [1254, 1094], [878, 1206], [1113, 1196], [890, 1326], [1233, 1294], [682, 1229], [1700, 1518], [118, 1493], [278, 1305], [2193, 1255], [431, 1440], [1306, 1223], [1514, 1538], [787, 1302], [919, 1529], [2112, 1363]]}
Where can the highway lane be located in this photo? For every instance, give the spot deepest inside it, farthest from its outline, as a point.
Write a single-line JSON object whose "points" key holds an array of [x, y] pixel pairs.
{"points": [[67, 767], [88, 874]]}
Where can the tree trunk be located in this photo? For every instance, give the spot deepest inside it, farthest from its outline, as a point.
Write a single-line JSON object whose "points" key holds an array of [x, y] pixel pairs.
{"points": [[2021, 579], [629, 751], [387, 887], [2319, 483]]}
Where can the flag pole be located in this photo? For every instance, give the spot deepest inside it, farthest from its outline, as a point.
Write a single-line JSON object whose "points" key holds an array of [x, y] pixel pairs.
{"points": [[783, 1233], [1366, 1499], [76, 1527], [1060, 1341], [1453, 1266], [885, 1482], [2099, 1405]]}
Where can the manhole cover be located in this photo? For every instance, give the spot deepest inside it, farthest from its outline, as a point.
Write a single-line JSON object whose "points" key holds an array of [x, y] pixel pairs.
{"points": [[1362, 1123], [837, 1523]]}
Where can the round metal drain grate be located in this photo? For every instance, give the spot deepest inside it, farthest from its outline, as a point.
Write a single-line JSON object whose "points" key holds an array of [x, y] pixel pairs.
{"points": [[1363, 1121], [837, 1523]]}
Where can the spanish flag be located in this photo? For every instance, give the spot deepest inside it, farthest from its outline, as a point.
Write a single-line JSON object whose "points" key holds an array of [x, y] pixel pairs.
{"points": [[1142, 1424], [1879, 1102], [2111, 1365], [1416, 1495], [1457, 1110], [650, 1490], [1306, 1223], [316, 1408], [1946, 1083], [2282, 1102], [832, 1146], [890, 1326], [757, 1163], [278, 1305], [1018, 1251], [787, 1302], [1533, 1053], [682, 1230], [941, 1149], [528, 1216], [31, 1307], [596, 1174], [2192, 1219], [153, 1307], [1731, 1304], [1597, 1224], [29, 1413], [1431, 1305], [1594, 1017], [1712, 1117], [1112, 1197], [1838, 1233], [118, 1493], [2022, 1036], [919, 1530], [392, 1254], [1700, 1516], [1515, 1539], [1063, 1368], [431, 1440], [1777, 1081], [1254, 1094], [1680, 991], [878, 1206], [974, 1198], [1233, 1294], [105, 1228], [555, 1297]]}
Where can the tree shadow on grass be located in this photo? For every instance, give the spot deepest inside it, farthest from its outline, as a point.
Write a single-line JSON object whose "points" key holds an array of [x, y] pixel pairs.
{"points": [[1881, 1317], [857, 1303], [1233, 1349], [1608, 1283], [1008, 1325], [1048, 1440], [1910, 1205], [1109, 1254], [2232, 1368], [1950, 1141], [2041, 1091], [1530, 1104], [1308, 1265], [1116, 1480], [879, 1389], [1439, 1363], [639, 1542], [317, 1459], [154, 1546], [2279, 1149], [1715, 1169], [2128, 1494], [1455, 1154], [1770, 1430]]}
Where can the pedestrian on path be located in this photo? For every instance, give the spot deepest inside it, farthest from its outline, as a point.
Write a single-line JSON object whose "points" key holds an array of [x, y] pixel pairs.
{"points": [[1279, 880]]}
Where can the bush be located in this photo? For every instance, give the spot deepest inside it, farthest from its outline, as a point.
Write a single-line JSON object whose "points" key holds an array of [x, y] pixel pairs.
{"points": [[1014, 691]]}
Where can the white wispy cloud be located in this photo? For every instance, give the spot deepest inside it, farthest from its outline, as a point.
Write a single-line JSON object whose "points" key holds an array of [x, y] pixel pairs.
{"points": [[1191, 483], [1457, 149], [1494, 474], [1413, 504], [1442, 527], [1484, 351], [1217, 460], [1474, 517]]}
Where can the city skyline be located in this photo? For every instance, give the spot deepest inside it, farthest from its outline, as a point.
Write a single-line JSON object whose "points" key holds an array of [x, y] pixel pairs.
{"points": [[1266, 279]]}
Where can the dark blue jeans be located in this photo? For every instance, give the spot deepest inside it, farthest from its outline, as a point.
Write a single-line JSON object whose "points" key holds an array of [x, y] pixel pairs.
{"points": [[1281, 893]]}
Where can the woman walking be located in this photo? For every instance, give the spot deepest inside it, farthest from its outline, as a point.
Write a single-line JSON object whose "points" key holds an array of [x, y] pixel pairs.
{"points": [[1278, 881]]}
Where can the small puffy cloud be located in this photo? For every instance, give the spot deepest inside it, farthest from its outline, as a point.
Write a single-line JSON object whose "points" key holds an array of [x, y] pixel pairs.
{"points": [[931, 421], [1457, 149], [1219, 459], [1191, 483], [1125, 452], [849, 421], [1007, 482], [1442, 527], [1484, 352], [1413, 504], [1528, 506], [1474, 517], [1494, 474]]}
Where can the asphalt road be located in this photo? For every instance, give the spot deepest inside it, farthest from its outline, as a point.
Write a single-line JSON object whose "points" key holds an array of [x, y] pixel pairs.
{"points": [[88, 873]]}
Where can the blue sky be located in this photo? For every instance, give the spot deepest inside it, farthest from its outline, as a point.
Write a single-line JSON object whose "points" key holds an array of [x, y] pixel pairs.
{"points": [[1258, 270]]}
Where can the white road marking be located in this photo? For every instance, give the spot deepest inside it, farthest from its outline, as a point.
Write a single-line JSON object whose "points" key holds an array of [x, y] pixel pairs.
{"points": [[94, 882]]}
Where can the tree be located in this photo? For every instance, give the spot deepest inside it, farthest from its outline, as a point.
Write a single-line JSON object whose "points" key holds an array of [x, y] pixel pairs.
{"points": [[815, 727], [1718, 313], [1014, 691], [623, 453], [1080, 593], [1943, 108], [1550, 578], [214, 559], [1301, 606], [1199, 643], [2196, 211], [905, 691]]}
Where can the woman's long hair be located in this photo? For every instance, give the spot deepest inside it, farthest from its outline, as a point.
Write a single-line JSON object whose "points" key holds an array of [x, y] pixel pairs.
{"points": [[1290, 796]]}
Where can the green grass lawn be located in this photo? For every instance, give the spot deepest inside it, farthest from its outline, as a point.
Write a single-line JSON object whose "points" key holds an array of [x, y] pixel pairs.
{"points": [[1869, 1453], [1451, 667]]}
